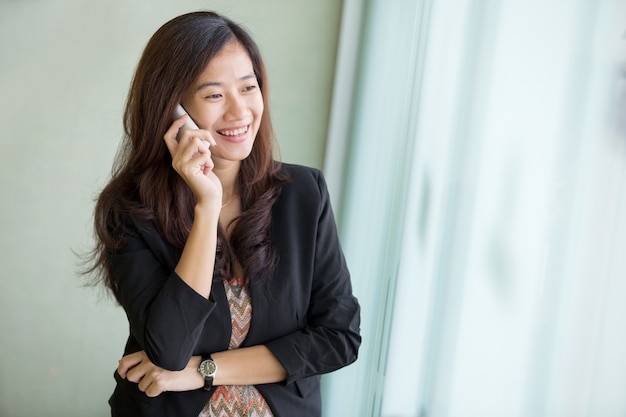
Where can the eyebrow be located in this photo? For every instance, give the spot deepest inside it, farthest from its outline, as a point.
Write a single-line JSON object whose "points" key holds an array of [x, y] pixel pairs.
{"points": [[217, 84]]}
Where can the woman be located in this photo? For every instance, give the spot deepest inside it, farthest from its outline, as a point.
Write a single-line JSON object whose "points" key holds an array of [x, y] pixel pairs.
{"points": [[226, 262]]}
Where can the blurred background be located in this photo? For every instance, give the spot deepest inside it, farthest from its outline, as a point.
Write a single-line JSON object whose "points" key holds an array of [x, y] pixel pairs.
{"points": [[476, 155]]}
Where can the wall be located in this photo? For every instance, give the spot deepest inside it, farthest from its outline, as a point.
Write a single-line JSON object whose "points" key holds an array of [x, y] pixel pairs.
{"points": [[64, 71]]}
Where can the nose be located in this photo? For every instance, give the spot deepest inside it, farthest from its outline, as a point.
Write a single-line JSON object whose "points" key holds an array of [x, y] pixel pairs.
{"points": [[236, 108]]}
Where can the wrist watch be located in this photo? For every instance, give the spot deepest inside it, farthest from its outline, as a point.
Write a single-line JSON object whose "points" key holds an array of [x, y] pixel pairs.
{"points": [[208, 368]]}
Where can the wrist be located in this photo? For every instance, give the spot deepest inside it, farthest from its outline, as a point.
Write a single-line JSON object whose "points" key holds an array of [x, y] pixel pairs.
{"points": [[207, 369], [192, 370], [207, 210]]}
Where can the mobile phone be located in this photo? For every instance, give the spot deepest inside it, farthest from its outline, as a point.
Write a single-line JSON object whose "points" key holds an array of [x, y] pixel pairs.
{"points": [[189, 124]]}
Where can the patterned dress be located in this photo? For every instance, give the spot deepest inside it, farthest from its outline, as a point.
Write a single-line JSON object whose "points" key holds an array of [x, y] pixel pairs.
{"points": [[237, 400]]}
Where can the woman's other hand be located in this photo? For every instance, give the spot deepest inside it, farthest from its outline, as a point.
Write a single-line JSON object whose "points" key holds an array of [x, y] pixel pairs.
{"points": [[137, 368]]}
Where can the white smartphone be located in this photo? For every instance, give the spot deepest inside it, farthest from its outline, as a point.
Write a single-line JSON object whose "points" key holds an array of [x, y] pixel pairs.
{"points": [[189, 124]]}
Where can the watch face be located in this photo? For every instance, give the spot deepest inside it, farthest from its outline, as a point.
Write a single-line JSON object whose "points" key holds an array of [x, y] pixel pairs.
{"points": [[207, 367]]}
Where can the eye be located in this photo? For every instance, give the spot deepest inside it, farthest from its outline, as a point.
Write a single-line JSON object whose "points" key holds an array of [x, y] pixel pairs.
{"points": [[250, 88], [213, 96]]}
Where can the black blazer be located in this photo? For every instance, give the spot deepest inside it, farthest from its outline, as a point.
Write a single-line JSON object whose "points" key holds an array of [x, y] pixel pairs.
{"points": [[306, 314]]}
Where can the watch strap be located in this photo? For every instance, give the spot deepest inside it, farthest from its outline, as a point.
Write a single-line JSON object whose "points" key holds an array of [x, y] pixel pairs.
{"points": [[208, 383], [208, 379]]}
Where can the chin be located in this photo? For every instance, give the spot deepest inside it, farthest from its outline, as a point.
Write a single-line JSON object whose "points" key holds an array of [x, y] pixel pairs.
{"points": [[233, 155]]}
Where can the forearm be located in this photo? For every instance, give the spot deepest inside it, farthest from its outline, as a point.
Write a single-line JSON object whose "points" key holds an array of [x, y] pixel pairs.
{"points": [[245, 366], [197, 261], [248, 366]]}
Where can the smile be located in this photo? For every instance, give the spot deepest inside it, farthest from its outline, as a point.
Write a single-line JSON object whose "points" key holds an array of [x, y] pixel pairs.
{"points": [[234, 132]]}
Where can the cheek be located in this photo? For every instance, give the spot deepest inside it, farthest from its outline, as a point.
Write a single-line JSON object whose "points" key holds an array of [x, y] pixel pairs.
{"points": [[207, 118], [259, 107]]}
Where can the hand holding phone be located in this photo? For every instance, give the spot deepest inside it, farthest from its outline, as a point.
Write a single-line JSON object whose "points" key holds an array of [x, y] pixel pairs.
{"points": [[199, 160]]}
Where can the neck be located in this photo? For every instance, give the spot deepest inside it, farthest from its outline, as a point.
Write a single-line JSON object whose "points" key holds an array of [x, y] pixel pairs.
{"points": [[228, 177]]}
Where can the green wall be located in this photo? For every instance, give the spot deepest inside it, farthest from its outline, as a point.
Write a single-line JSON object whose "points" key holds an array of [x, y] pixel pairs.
{"points": [[64, 72]]}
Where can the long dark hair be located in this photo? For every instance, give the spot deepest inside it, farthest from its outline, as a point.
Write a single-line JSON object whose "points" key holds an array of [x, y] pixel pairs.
{"points": [[144, 185]]}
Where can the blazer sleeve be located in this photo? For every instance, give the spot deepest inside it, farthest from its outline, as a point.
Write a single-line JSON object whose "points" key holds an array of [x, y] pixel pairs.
{"points": [[166, 316], [331, 338]]}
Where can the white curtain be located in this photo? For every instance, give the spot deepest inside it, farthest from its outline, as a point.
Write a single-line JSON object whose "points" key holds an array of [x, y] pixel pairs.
{"points": [[477, 158]]}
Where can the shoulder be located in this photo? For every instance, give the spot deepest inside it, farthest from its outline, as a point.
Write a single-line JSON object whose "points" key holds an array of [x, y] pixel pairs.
{"points": [[302, 178], [304, 195]]}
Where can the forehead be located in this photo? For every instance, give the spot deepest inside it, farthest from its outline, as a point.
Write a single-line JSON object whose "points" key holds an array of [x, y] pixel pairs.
{"points": [[232, 60]]}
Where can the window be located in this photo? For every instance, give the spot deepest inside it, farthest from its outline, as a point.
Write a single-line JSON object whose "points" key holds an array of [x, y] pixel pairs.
{"points": [[480, 194]]}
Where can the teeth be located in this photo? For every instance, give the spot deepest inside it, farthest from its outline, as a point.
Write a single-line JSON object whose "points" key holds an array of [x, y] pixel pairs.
{"points": [[236, 132]]}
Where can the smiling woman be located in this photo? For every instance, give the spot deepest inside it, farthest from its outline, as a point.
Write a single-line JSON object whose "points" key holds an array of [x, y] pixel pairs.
{"points": [[226, 261], [47, 186]]}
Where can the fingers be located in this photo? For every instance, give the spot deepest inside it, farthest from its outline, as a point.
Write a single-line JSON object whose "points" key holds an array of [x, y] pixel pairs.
{"points": [[137, 368], [191, 147], [193, 158], [154, 384], [138, 372], [172, 132], [172, 139], [128, 362], [191, 154]]}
